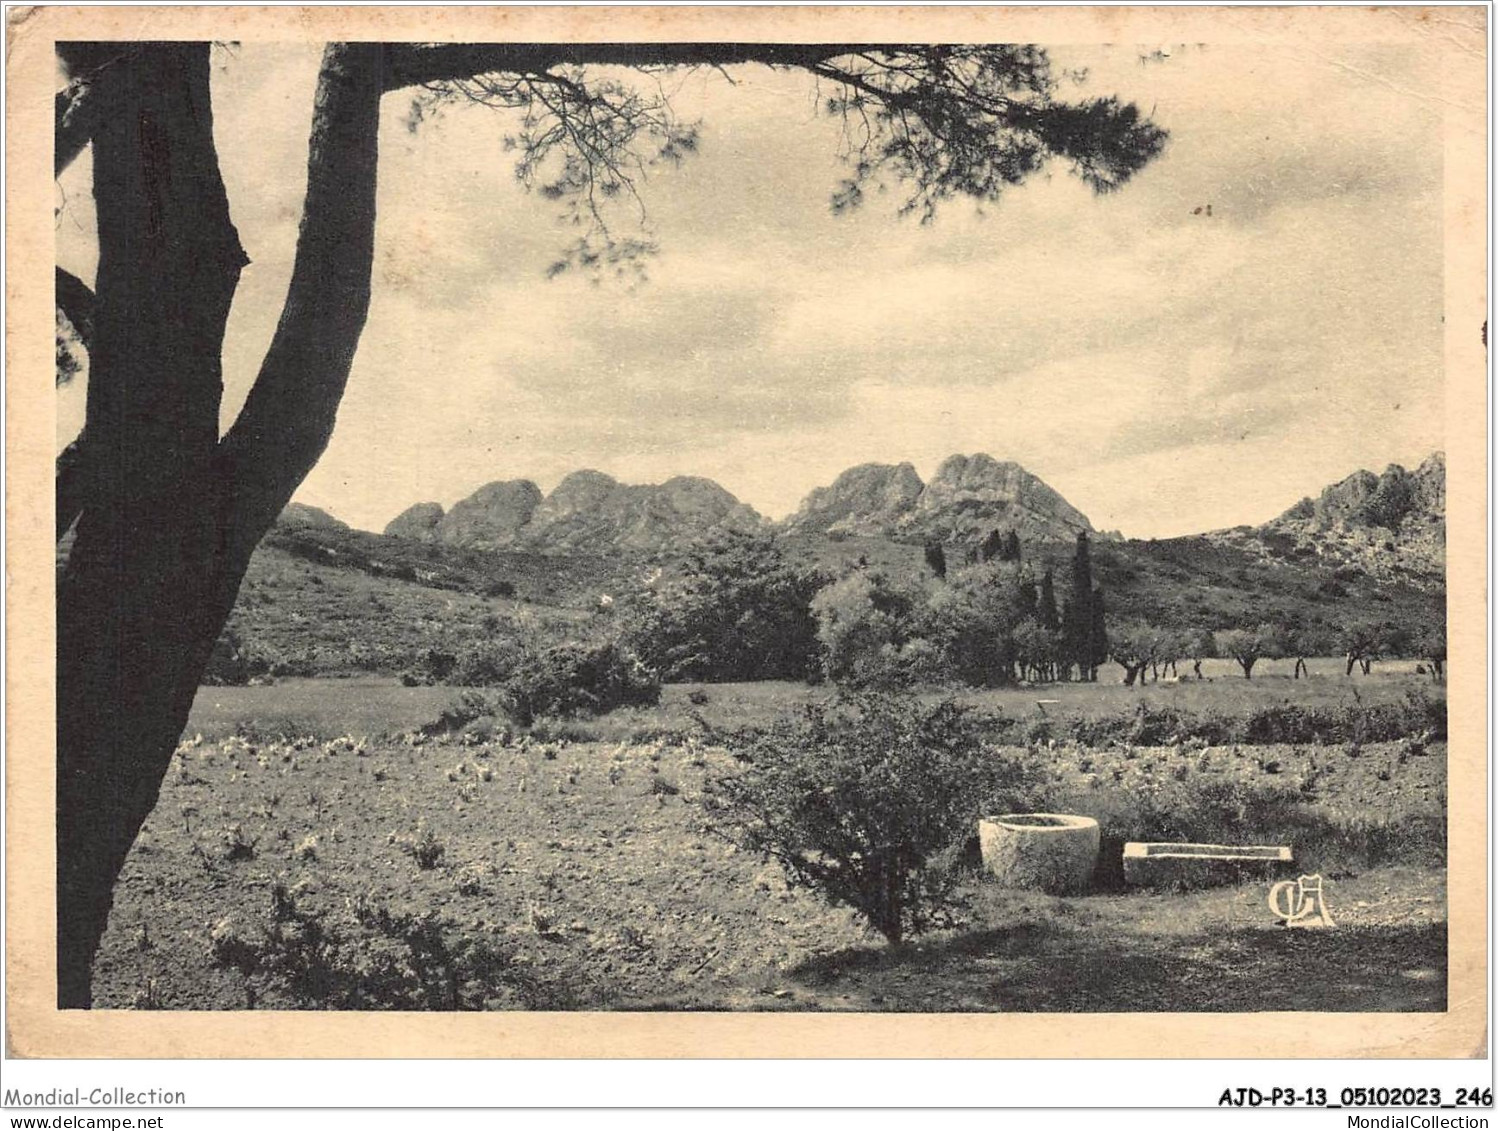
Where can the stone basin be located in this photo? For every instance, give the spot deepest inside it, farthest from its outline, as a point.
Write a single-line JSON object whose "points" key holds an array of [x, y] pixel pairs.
{"points": [[1166, 865], [1053, 852]]}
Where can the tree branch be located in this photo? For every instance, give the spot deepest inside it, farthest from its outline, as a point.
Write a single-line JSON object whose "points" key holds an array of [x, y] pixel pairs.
{"points": [[75, 119], [413, 64], [70, 484], [76, 108]]}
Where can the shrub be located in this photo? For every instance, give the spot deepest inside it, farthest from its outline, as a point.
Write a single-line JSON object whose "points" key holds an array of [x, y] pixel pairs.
{"points": [[866, 798], [486, 664], [371, 957], [737, 611], [467, 707], [423, 846], [232, 663], [571, 677], [1420, 714]]}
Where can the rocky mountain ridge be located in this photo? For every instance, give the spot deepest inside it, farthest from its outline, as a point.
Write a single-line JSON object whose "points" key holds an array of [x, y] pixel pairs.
{"points": [[588, 511], [1388, 523], [1391, 526], [967, 499]]}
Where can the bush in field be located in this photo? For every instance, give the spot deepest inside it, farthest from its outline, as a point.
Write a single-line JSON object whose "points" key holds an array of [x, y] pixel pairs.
{"points": [[467, 707], [231, 663], [1419, 714], [737, 611], [862, 798], [486, 664], [370, 957], [578, 676]]}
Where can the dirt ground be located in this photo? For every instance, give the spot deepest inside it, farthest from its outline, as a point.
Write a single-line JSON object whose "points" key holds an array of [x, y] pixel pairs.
{"points": [[592, 865]]}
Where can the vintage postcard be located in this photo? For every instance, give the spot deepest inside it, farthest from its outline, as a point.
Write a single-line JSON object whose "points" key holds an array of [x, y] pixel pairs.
{"points": [[746, 532]]}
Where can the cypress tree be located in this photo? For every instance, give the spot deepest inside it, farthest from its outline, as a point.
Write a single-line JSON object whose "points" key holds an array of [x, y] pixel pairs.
{"points": [[936, 559], [1098, 637], [1029, 599], [1077, 624], [1049, 618], [1010, 552]]}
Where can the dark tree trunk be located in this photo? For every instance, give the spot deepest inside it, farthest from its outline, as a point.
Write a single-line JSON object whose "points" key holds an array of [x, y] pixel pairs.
{"points": [[1300, 666], [130, 601], [1351, 660], [1248, 667], [1197, 667], [170, 513], [1367, 666]]}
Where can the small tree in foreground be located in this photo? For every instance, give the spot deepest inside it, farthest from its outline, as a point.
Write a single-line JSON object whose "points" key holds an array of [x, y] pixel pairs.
{"points": [[862, 796]]}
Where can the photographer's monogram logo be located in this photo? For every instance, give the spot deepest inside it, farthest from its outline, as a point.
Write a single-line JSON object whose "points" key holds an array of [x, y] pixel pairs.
{"points": [[1300, 903]]}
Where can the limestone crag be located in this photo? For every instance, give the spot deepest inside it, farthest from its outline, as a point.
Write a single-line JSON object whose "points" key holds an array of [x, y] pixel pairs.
{"points": [[870, 499], [300, 515], [588, 512], [492, 517], [967, 499], [1390, 501], [1390, 526], [419, 522]]}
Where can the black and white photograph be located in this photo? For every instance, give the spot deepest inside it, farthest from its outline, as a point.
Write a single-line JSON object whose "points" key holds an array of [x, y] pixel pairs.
{"points": [[780, 524]]}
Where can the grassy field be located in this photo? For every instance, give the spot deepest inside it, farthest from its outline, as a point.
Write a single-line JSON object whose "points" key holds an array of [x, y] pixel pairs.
{"points": [[287, 866], [376, 705]]}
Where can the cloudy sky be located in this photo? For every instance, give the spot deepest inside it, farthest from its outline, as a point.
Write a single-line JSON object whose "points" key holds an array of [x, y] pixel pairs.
{"points": [[1166, 371]]}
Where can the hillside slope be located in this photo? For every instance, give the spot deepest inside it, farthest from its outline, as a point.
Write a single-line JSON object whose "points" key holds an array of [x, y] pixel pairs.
{"points": [[1369, 548]]}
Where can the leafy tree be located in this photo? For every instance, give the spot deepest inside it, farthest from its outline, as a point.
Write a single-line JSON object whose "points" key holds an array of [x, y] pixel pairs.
{"points": [[1011, 551], [1037, 649], [1132, 647], [1363, 643], [862, 797], [864, 620], [971, 621], [1431, 647], [167, 510], [1198, 645], [1249, 646], [738, 611], [936, 559], [1307, 641], [1169, 647]]}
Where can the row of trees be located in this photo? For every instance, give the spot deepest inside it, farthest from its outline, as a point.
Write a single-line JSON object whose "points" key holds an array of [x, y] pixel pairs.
{"points": [[737, 610], [1141, 648]]}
